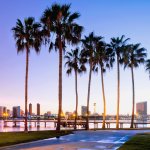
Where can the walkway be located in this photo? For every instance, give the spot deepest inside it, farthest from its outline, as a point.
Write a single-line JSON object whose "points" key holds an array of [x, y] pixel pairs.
{"points": [[82, 140]]}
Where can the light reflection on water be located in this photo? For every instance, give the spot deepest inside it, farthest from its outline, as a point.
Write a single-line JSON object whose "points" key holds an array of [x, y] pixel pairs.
{"points": [[50, 126]]}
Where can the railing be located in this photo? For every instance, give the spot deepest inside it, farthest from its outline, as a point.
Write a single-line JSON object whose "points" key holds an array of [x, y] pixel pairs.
{"points": [[70, 123]]}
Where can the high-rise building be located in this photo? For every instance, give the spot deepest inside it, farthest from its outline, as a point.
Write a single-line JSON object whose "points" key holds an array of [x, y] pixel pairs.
{"points": [[141, 108], [30, 109], [16, 112], [38, 109], [83, 110]]}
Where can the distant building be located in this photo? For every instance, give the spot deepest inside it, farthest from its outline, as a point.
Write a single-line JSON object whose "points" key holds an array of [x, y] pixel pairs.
{"points": [[8, 113], [1, 111], [68, 114], [22, 113], [83, 110], [4, 110], [141, 108], [30, 109], [38, 109], [47, 114], [16, 112]]}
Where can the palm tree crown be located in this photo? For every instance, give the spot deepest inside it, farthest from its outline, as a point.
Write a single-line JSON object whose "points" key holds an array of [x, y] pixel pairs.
{"points": [[27, 35], [73, 62], [103, 56], [59, 20], [117, 44], [134, 55], [89, 46]]}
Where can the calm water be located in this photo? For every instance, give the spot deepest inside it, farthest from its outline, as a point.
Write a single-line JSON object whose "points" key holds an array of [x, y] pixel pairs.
{"points": [[50, 126]]}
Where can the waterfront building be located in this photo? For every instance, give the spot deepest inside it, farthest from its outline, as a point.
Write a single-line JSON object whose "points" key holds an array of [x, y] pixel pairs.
{"points": [[38, 109], [16, 112], [30, 109], [141, 108]]}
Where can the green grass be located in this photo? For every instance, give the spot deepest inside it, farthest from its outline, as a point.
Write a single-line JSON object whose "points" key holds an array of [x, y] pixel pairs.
{"points": [[138, 142], [11, 138]]}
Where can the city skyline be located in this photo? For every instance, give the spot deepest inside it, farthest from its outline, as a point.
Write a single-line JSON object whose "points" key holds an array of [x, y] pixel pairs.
{"points": [[43, 72]]}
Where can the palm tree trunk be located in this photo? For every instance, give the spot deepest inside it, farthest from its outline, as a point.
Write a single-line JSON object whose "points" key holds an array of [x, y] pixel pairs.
{"points": [[104, 100], [76, 112], [59, 86], [88, 98], [26, 90], [118, 93], [133, 98]]}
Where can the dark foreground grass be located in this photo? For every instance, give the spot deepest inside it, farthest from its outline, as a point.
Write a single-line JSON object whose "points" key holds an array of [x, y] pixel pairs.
{"points": [[11, 138], [138, 142]]}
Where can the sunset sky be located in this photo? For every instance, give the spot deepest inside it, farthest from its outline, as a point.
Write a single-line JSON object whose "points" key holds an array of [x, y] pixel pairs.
{"points": [[107, 18]]}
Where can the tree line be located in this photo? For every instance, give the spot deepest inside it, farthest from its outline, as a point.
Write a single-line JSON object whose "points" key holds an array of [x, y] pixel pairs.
{"points": [[90, 51]]}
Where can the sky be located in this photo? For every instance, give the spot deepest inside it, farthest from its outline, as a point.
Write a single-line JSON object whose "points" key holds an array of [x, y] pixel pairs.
{"points": [[107, 18]]}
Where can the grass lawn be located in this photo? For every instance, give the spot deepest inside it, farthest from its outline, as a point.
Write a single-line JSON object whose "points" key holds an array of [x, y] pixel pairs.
{"points": [[11, 138], [138, 142]]}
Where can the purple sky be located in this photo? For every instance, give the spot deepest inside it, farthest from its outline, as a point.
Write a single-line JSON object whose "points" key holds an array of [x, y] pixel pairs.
{"points": [[108, 18]]}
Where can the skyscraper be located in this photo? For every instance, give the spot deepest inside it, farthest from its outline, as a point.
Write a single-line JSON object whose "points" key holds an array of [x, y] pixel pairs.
{"points": [[38, 109], [16, 112], [30, 109], [141, 108]]}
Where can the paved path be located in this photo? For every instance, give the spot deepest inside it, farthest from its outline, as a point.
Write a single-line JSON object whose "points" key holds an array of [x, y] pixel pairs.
{"points": [[82, 140]]}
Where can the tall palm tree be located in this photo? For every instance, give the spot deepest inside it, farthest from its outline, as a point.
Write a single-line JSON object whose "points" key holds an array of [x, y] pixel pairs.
{"points": [[133, 56], [103, 59], [61, 22], [27, 35], [89, 45], [73, 62], [117, 45], [148, 66]]}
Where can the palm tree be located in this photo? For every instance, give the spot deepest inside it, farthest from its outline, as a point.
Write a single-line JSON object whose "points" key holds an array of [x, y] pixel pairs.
{"points": [[89, 45], [27, 36], [133, 56], [103, 58], [73, 62], [148, 66], [117, 45], [61, 22]]}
